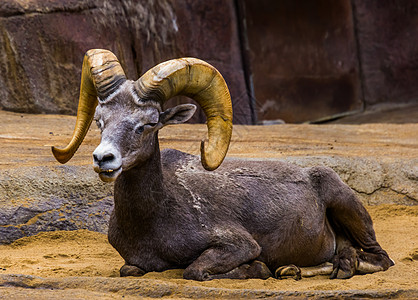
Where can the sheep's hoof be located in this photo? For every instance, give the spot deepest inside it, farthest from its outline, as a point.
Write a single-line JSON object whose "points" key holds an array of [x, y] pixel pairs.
{"points": [[259, 269], [129, 270], [345, 263], [341, 274], [288, 271], [372, 262], [255, 269], [196, 274]]}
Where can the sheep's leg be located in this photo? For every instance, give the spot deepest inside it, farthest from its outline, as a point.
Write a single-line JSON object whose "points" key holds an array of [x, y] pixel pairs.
{"points": [[288, 271], [322, 269], [370, 263], [350, 221], [297, 273], [358, 251], [255, 269], [130, 270], [232, 255], [345, 261], [349, 261]]}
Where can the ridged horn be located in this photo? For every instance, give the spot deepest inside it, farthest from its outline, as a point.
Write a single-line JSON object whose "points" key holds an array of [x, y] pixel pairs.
{"points": [[203, 83], [101, 75]]}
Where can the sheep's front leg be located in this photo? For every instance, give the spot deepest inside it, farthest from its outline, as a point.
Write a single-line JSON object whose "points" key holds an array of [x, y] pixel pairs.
{"points": [[254, 269], [231, 255], [130, 270]]}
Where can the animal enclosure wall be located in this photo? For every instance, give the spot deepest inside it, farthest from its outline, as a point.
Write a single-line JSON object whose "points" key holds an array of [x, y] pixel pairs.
{"points": [[282, 59], [304, 59]]}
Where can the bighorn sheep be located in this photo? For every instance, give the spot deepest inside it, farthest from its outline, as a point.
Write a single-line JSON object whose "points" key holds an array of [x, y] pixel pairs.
{"points": [[241, 221]]}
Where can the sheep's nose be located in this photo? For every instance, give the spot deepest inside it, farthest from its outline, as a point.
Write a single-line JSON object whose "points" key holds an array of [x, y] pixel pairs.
{"points": [[100, 158], [106, 157]]}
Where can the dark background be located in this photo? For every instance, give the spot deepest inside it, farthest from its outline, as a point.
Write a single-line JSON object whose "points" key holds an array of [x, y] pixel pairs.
{"points": [[293, 60]]}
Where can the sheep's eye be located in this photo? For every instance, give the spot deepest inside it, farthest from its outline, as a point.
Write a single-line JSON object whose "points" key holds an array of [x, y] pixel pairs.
{"points": [[99, 124], [140, 129]]}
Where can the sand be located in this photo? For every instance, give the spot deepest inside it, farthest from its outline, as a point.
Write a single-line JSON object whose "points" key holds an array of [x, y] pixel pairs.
{"points": [[82, 255]]}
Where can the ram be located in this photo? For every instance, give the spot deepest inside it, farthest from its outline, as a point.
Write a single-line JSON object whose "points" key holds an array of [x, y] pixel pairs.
{"points": [[247, 219]]}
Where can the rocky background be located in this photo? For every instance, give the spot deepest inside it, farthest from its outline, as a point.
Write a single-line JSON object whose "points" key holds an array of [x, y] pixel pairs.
{"points": [[43, 44], [293, 60]]}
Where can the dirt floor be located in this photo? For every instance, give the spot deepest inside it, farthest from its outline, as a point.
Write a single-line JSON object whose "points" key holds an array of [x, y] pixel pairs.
{"points": [[82, 265], [58, 257]]}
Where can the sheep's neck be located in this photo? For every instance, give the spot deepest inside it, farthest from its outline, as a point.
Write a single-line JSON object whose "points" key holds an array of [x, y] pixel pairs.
{"points": [[139, 191]]}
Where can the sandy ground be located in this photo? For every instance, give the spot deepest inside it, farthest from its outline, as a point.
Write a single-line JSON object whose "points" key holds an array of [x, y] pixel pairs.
{"points": [[60, 255]]}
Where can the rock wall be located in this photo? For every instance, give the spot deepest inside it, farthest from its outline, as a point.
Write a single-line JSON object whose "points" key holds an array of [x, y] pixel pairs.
{"points": [[315, 60], [308, 49], [292, 60], [42, 44], [387, 34], [42, 51]]}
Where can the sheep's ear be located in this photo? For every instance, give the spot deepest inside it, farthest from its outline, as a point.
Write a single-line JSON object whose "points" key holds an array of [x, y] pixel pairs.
{"points": [[178, 114]]}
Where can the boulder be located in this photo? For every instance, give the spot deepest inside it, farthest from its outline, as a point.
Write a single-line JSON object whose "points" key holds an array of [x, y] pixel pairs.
{"points": [[39, 199]]}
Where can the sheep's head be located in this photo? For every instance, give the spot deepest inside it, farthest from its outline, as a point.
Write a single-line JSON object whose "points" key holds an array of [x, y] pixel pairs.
{"points": [[129, 113], [129, 130]]}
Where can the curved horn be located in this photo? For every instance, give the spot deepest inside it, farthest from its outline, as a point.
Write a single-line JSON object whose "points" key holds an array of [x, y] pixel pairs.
{"points": [[203, 83], [101, 75]]}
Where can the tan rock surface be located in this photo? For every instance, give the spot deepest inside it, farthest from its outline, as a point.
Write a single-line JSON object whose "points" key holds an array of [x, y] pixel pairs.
{"points": [[26, 140]]}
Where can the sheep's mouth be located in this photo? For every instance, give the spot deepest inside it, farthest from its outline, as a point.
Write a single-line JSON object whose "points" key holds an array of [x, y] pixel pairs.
{"points": [[109, 175]]}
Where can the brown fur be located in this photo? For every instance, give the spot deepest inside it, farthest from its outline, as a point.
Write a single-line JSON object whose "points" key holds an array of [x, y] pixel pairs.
{"points": [[177, 215]]}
